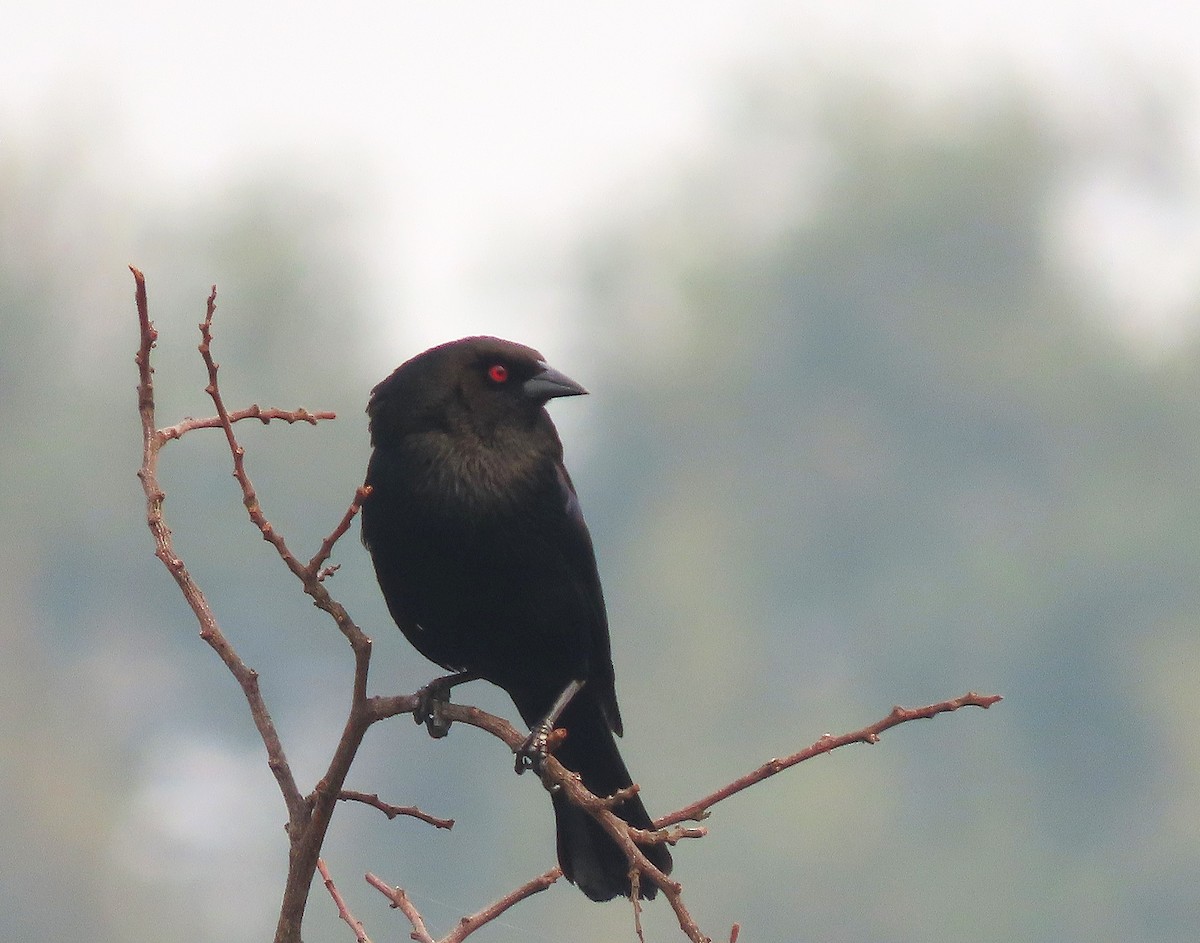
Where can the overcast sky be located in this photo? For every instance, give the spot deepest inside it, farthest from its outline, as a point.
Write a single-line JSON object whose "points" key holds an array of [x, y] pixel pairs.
{"points": [[479, 121]]}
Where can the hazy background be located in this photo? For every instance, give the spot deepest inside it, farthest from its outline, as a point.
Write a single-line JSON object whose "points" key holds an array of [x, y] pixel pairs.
{"points": [[889, 315]]}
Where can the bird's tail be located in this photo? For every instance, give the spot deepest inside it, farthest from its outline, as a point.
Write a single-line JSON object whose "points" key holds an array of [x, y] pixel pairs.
{"points": [[588, 855]]}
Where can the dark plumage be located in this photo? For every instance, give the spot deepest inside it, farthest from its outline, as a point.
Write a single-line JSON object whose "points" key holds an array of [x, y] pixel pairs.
{"points": [[487, 566]]}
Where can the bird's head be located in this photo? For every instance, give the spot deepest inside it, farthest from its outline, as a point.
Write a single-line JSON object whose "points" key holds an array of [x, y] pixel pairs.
{"points": [[481, 384]]}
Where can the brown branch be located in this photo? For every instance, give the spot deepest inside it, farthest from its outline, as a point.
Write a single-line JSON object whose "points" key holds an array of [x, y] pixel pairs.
{"points": [[401, 901], [225, 422], [382, 707], [630, 839], [666, 836], [308, 816], [900, 715], [391, 811], [343, 911], [263, 414], [314, 565], [635, 902], [164, 549], [466, 925], [555, 775], [306, 841]]}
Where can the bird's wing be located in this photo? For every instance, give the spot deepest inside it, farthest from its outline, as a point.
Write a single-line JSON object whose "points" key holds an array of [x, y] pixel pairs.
{"points": [[582, 560]]}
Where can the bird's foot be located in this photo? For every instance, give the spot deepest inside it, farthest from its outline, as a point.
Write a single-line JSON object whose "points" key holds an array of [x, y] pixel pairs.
{"points": [[430, 701], [432, 698], [533, 752], [544, 738]]}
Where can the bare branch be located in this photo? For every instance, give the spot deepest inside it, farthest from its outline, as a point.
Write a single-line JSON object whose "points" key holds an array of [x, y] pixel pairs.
{"points": [[391, 811], [343, 911], [554, 774], [665, 836], [629, 838], [313, 569], [308, 817], [469, 925], [466, 925], [900, 715], [306, 843], [401, 902], [635, 901], [383, 707], [264, 415], [210, 631]]}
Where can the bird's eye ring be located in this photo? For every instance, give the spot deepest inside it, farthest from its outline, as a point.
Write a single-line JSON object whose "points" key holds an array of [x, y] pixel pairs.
{"points": [[498, 373]]}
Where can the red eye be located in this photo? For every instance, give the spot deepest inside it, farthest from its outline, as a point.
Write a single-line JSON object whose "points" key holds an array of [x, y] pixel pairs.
{"points": [[498, 373]]}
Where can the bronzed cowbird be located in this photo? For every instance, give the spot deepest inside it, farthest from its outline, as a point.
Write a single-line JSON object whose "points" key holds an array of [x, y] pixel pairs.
{"points": [[487, 566]]}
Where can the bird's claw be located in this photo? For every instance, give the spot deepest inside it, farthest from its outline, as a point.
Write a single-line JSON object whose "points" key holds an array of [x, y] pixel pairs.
{"points": [[533, 752], [430, 701]]}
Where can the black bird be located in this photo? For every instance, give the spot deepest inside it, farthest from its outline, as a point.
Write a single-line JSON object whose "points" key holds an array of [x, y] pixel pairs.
{"points": [[487, 566]]}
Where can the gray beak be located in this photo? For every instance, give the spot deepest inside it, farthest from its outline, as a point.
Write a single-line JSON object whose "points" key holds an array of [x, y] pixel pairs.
{"points": [[550, 384]]}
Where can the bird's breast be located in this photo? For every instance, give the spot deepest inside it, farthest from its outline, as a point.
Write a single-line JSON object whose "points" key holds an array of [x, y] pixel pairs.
{"points": [[470, 475]]}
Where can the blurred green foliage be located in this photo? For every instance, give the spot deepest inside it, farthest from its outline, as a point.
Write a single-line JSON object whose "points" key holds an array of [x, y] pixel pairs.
{"points": [[856, 439]]}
